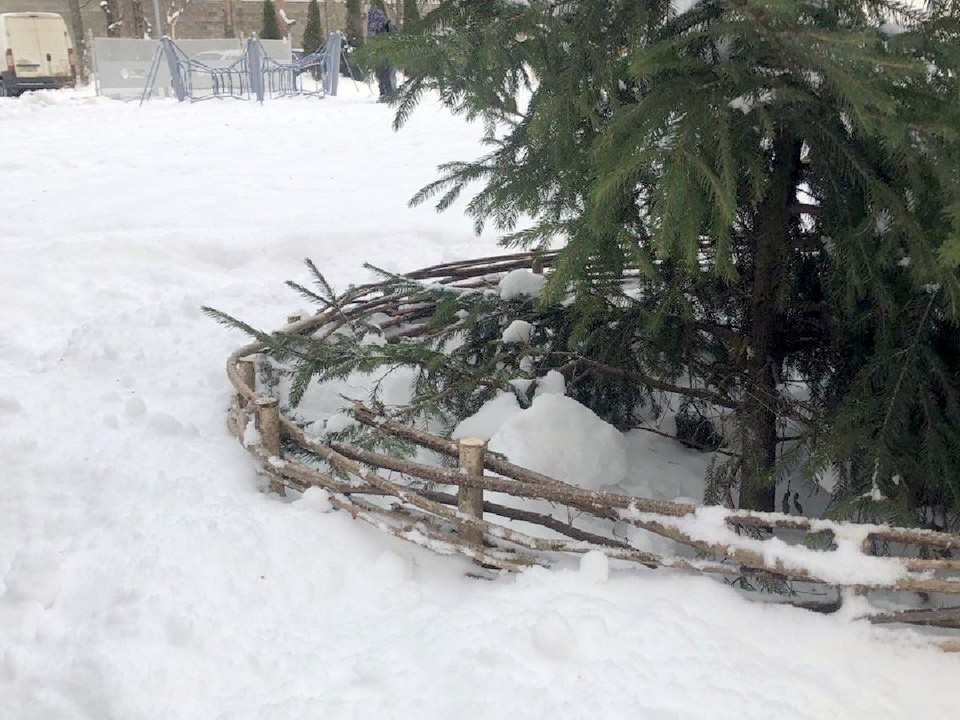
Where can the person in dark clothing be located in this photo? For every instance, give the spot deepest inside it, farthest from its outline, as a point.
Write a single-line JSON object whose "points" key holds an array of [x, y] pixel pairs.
{"points": [[378, 24]]}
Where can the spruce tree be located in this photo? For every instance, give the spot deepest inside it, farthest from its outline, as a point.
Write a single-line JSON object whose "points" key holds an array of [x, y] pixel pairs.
{"points": [[270, 30], [354, 24], [411, 14], [782, 177], [313, 32]]}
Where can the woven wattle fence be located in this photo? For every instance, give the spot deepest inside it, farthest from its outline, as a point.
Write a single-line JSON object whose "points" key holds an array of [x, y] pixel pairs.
{"points": [[447, 510]]}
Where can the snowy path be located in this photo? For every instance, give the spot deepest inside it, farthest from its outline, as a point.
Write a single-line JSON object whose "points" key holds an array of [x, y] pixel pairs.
{"points": [[141, 573]]}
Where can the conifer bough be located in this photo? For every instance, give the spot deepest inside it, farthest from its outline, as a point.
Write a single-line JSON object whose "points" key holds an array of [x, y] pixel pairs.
{"points": [[782, 175]]}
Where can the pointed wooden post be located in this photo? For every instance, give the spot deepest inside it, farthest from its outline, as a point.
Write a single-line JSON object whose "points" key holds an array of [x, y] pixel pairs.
{"points": [[247, 368], [469, 499], [268, 425], [248, 371]]}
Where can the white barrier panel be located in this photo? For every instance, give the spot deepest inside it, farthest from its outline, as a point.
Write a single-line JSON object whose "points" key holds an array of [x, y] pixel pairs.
{"points": [[122, 65]]}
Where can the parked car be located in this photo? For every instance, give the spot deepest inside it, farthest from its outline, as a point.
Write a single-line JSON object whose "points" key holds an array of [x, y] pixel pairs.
{"points": [[215, 71], [37, 52], [217, 59]]}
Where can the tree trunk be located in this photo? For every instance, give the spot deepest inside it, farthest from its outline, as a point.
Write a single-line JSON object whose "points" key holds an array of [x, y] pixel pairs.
{"points": [[138, 21], [229, 19], [772, 255], [79, 41], [280, 6], [354, 23], [111, 11]]}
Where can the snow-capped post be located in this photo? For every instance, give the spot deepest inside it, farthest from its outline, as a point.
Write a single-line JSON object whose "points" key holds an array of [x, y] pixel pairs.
{"points": [[469, 499], [268, 425]]}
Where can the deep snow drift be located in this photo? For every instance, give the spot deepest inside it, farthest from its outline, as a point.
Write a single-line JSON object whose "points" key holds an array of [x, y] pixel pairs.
{"points": [[142, 574]]}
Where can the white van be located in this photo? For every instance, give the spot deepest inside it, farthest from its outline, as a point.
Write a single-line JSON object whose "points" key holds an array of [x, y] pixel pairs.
{"points": [[36, 51]]}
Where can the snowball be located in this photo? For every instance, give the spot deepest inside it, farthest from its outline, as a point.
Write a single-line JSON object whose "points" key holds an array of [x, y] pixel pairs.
{"points": [[518, 331], [519, 283], [560, 437], [315, 499], [491, 416], [553, 636], [135, 406], [595, 567], [553, 383]]}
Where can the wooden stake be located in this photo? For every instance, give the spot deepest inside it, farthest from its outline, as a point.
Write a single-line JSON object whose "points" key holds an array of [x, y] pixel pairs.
{"points": [[248, 371], [470, 500], [268, 425]]}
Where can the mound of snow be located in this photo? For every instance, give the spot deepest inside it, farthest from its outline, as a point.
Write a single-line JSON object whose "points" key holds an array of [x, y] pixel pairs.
{"points": [[518, 331], [560, 437], [315, 499], [488, 419], [553, 383], [520, 283]]}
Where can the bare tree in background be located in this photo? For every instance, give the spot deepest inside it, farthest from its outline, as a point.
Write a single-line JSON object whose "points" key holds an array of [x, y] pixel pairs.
{"points": [[229, 19], [79, 41], [174, 13], [286, 23], [111, 10], [134, 21]]}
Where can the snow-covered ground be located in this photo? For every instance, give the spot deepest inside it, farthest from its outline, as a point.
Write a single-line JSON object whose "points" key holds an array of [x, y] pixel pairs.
{"points": [[143, 576]]}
